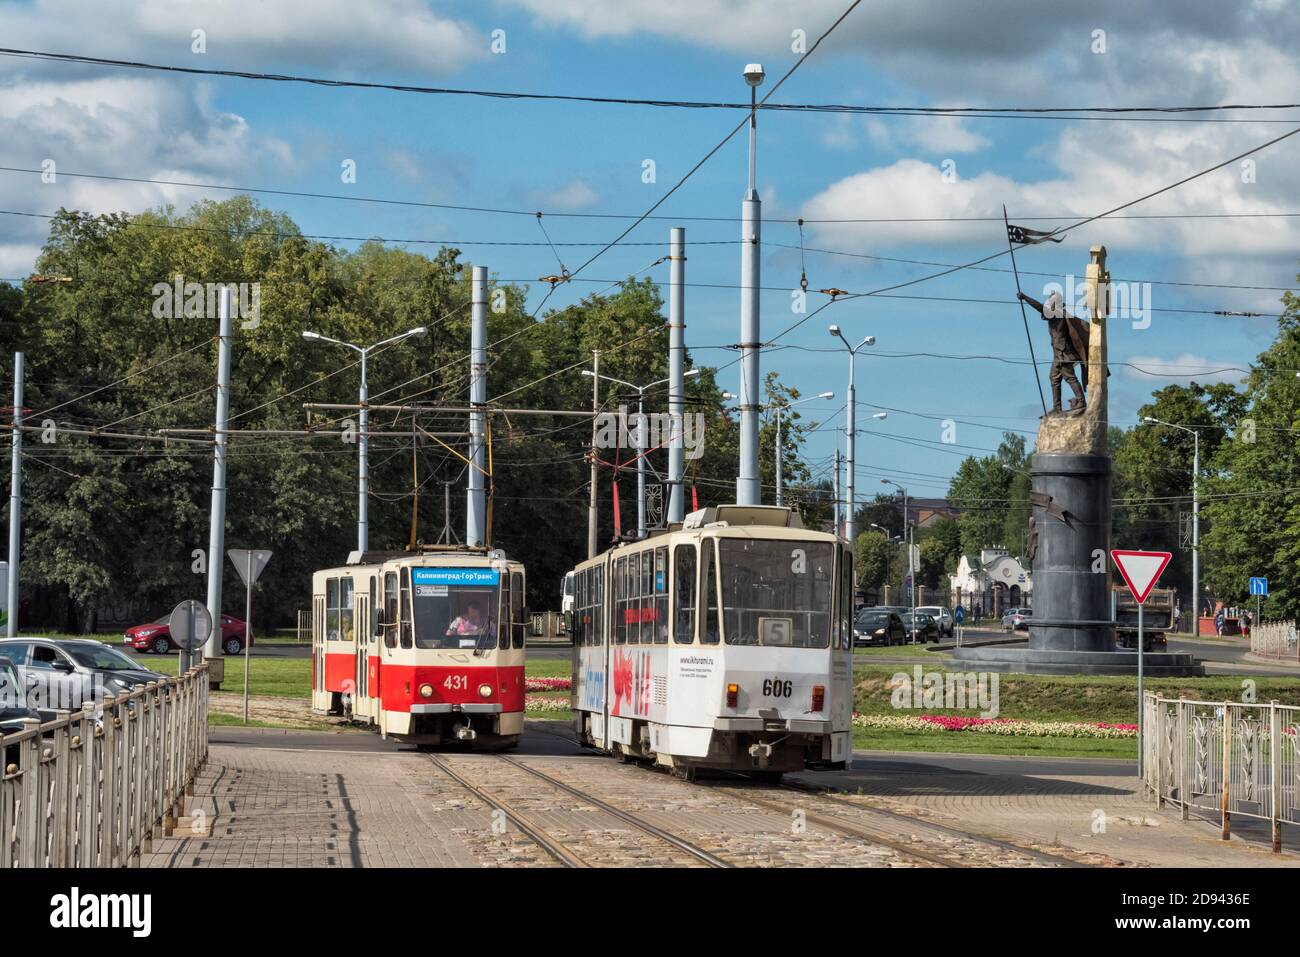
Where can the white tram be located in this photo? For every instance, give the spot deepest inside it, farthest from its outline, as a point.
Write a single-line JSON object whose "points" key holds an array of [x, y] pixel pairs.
{"points": [[725, 642], [425, 646]]}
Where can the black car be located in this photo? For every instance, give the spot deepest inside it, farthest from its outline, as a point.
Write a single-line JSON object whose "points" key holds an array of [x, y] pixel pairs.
{"points": [[878, 626], [927, 629]]}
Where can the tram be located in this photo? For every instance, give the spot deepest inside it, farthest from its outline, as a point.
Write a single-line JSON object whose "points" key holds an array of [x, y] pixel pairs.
{"points": [[724, 642], [424, 646]]}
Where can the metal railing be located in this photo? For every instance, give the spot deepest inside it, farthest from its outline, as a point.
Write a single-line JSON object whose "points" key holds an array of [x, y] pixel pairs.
{"points": [[94, 787], [1275, 639], [1229, 757]]}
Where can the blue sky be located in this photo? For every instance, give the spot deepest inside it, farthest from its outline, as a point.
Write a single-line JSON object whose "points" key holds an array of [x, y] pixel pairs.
{"points": [[560, 157]]}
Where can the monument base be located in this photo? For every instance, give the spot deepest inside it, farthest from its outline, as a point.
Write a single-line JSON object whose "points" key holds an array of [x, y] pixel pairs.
{"points": [[1030, 661]]}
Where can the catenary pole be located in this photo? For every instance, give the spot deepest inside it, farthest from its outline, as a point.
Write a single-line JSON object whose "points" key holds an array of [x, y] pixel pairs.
{"points": [[748, 491], [592, 513], [15, 498], [217, 515], [676, 370], [476, 513]]}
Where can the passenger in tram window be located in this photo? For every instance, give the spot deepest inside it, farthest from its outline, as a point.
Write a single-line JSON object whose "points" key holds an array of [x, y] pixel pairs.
{"points": [[470, 623]]}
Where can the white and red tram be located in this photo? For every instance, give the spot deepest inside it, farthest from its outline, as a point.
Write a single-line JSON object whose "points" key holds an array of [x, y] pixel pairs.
{"points": [[725, 642], [426, 646]]}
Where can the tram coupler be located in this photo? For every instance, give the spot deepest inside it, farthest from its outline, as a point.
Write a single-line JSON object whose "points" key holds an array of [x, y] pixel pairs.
{"points": [[465, 733], [761, 751]]}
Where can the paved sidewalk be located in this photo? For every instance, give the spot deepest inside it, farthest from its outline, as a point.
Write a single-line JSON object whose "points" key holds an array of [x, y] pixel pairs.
{"points": [[1088, 804]]}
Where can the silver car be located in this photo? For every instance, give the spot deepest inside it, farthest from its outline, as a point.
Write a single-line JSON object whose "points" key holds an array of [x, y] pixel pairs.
{"points": [[942, 616], [61, 675]]}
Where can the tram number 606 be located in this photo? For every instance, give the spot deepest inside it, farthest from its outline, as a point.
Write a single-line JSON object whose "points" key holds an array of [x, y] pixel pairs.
{"points": [[777, 688]]}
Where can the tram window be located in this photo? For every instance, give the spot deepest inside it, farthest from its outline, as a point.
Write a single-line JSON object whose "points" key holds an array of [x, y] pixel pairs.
{"points": [[332, 610], [615, 602], [516, 609], [390, 609], [661, 596], [634, 599], [407, 630], [684, 594], [601, 619], [374, 609], [711, 627], [503, 620], [777, 592], [345, 609]]}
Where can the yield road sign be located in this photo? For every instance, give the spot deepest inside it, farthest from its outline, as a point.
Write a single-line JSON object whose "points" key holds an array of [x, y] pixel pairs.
{"points": [[1141, 570], [1259, 586], [248, 569]]}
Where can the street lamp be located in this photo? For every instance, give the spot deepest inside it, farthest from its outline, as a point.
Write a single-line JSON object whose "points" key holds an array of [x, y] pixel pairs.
{"points": [[641, 453], [363, 442], [1196, 517], [850, 522], [911, 572], [778, 406]]}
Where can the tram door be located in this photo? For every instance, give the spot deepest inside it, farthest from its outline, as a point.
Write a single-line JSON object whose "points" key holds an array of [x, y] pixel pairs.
{"points": [[363, 598], [320, 697]]}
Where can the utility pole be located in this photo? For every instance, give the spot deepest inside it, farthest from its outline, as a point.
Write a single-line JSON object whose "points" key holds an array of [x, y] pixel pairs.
{"points": [[216, 557], [476, 512], [835, 484], [676, 370], [592, 517], [748, 491], [778, 407], [851, 519], [15, 498]]}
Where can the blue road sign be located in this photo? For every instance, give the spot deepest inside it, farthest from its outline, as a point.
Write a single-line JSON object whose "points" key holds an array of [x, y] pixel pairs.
{"points": [[1259, 586], [960, 614]]}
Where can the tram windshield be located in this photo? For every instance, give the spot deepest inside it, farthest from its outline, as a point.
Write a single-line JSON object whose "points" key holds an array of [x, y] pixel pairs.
{"points": [[455, 607], [776, 593]]}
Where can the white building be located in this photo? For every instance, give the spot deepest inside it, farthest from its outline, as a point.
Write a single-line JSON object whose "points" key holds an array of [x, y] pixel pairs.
{"points": [[993, 582]]}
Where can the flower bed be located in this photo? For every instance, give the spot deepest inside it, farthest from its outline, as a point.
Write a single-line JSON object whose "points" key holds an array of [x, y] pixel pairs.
{"points": [[536, 702], [548, 684], [1011, 727]]}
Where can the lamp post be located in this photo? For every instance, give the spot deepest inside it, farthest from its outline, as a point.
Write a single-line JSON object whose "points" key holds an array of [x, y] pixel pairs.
{"points": [[641, 453], [1196, 517], [363, 437], [778, 406], [850, 521], [911, 572]]}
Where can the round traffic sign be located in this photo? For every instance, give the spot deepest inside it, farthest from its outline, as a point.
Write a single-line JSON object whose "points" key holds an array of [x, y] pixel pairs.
{"points": [[190, 625]]}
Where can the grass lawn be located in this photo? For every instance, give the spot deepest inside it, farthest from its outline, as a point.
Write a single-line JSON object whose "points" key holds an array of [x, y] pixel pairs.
{"points": [[961, 742], [862, 656], [281, 677]]}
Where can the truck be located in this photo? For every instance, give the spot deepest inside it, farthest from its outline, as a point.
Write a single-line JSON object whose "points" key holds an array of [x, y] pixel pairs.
{"points": [[1157, 618]]}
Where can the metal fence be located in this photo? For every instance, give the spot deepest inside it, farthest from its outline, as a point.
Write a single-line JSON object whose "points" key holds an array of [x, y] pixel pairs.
{"points": [[1228, 757], [94, 787], [1275, 639]]}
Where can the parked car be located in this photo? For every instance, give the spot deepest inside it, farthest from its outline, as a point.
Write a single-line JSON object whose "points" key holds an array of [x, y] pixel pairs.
{"points": [[927, 629], [878, 626], [14, 709], [1016, 619], [157, 637], [942, 616], [60, 675]]}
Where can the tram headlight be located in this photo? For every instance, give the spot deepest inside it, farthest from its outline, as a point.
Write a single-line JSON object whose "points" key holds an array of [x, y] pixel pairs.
{"points": [[485, 691], [426, 691]]}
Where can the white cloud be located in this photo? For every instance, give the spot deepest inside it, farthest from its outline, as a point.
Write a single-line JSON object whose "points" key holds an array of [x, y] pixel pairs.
{"points": [[577, 194], [342, 35], [1156, 371]]}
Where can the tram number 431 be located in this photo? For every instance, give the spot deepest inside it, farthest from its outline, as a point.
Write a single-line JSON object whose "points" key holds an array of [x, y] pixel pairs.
{"points": [[777, 688], [456, 682]]}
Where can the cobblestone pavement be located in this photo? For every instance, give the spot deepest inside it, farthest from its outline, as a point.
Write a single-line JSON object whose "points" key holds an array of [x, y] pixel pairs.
{"points": [[358, 802]]}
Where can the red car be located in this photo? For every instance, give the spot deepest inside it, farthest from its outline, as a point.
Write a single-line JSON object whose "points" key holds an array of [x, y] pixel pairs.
{"points": [[157, 637]]}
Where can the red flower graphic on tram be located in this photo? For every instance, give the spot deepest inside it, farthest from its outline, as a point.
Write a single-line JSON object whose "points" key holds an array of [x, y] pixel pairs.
{"points": [[622, 680]]}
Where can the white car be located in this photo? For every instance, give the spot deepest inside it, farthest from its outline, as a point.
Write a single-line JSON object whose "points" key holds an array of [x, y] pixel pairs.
{"points": [[941, 615]]}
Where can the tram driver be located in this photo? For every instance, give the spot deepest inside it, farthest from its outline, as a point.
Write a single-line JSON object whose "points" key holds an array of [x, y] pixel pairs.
{"points": [[469, 624]]}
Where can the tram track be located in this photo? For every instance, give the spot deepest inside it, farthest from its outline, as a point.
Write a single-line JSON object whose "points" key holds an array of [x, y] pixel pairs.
{"points": [[557, 847], [860, 831]]}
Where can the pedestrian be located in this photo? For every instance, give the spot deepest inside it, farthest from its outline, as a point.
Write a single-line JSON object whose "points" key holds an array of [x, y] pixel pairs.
{"points": [[1218, 622], [1178, 618], [1245, 624]]}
